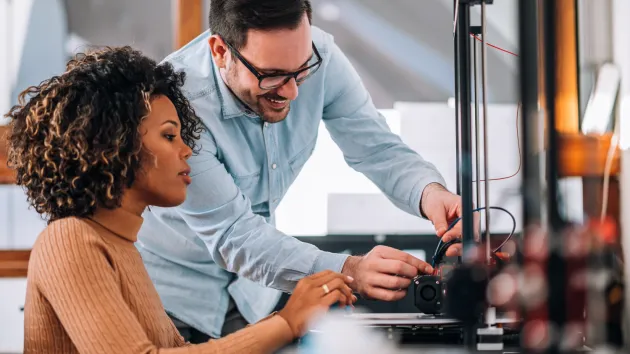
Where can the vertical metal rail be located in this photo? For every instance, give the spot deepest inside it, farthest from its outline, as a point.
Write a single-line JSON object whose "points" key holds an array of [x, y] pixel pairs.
{"points": [[556, 269], [484, 89], [462, 64], [530, 128], [463, 61], [456, 54], [477, 140], [529, 123]]}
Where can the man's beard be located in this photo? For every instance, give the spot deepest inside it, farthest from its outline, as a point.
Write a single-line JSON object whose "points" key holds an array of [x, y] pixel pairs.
{"points": [[263, 108], [259, 104], [270, 114]]}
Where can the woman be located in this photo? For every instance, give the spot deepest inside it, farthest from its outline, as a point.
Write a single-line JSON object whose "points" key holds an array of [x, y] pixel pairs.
{"points": [[93, 148]]}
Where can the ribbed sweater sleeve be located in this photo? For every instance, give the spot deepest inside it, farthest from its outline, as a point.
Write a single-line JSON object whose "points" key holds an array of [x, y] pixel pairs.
{"points": [[76, 276]]}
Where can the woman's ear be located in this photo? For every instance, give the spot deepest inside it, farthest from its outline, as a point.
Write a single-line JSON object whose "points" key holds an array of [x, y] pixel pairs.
{"points": [[219, 50]]}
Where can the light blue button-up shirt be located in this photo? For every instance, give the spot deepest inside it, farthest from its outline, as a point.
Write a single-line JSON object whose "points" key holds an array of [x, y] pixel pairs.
{"points": [[222, 240]]}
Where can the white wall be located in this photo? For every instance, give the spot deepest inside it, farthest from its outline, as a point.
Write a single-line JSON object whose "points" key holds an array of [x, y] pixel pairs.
{"points": [[19, 224], [5, 58], [32, 34], [303, 211], [32, 38], [329, 197], [20, 15]]}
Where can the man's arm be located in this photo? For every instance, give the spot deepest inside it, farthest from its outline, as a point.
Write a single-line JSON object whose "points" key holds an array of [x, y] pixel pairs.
{"points": [[239, 240], [366, 141], [413, 184]]}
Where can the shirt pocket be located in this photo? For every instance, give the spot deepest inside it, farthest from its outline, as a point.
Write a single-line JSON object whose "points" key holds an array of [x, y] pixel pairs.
{"points": [[247, 183], [297, 162]]}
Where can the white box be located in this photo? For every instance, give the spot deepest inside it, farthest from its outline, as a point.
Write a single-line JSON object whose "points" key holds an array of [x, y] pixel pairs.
{"points": [[371, 214]]}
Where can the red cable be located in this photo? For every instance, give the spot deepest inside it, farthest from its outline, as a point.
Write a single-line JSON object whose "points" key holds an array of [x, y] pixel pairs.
{"points": [[520, 157], [494, 46]]}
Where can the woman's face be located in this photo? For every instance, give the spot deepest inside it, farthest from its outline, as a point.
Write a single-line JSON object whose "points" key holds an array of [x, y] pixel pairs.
{"points": [[164, 174]]}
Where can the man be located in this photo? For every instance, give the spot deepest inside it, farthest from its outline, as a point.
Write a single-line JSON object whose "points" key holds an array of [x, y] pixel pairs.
{"points": [[261, 80]]}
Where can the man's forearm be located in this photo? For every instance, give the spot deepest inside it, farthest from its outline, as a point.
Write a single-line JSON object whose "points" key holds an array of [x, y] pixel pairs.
{"points": [[430, 188], [350, 268]]}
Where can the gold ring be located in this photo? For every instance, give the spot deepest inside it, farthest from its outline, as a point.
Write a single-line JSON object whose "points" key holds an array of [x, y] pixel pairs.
{"points": [[325, 287]]}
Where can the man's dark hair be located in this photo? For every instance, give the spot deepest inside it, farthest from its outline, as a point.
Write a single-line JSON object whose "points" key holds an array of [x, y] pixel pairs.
{"points": [[232, 19]]}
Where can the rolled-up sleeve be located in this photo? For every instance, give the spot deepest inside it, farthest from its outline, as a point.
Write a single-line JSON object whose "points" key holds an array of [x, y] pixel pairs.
{"points": [[367, 143], [239, 240]]}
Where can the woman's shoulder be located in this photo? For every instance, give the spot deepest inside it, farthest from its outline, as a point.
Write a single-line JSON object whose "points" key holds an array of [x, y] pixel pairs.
{"points": [[65, 234], [67, 246]]}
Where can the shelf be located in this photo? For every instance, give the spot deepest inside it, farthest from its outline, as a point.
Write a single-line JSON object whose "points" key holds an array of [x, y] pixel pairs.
{"points": [[585, 155], [14, 263]]}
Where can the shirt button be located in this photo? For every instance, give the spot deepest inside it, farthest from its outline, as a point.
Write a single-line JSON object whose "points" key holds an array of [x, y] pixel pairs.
{"points": [[273, 166]]}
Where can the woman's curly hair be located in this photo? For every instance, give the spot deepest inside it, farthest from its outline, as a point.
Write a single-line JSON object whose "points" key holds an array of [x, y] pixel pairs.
{"points": [[74, 140]]}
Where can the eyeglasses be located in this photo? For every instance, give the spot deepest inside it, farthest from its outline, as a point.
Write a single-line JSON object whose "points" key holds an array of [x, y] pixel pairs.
{"points": [[272, 81]]}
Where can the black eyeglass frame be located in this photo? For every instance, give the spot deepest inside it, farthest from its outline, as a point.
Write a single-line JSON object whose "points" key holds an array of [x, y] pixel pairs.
{"points": [[294, 75]]}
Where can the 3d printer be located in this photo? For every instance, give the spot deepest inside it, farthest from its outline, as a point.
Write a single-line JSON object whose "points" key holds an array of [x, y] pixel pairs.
{"points": [[552, 305], [431, 291]]}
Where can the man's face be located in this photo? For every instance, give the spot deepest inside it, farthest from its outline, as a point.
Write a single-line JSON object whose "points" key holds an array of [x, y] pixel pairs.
{"points": [[269, 52]]}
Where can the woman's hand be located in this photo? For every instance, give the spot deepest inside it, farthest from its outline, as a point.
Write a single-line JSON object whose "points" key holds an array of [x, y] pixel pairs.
{"points": [[313, 295]]}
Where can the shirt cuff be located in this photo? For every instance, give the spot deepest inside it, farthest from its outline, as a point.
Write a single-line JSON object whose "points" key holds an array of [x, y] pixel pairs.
{"points": [[416, 196], [329, 261]]}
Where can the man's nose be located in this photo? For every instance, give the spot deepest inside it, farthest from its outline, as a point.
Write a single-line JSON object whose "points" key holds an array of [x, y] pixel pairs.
{"points": [[289, 90]]}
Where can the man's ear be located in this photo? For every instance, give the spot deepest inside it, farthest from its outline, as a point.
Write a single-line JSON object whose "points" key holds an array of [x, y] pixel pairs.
{"points": [[219, 50]]}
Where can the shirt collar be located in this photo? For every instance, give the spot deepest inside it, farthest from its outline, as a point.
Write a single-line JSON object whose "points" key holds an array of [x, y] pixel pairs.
{"points": [[119, 221], [231, 106]]}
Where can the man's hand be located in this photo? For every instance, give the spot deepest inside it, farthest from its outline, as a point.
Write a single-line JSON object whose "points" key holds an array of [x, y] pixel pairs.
{"points": [[443, 208], [384, 273]]}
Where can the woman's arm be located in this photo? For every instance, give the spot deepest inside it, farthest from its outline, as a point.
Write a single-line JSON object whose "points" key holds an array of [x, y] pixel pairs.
{"points": [[75, 276], [271, 334]]}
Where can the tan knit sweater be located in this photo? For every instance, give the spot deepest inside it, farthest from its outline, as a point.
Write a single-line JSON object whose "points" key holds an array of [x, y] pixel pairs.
{"points": [[88, 292]]}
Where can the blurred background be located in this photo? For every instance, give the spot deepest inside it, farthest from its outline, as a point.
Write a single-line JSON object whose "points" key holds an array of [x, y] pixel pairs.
{"points": [[403, 51]]}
